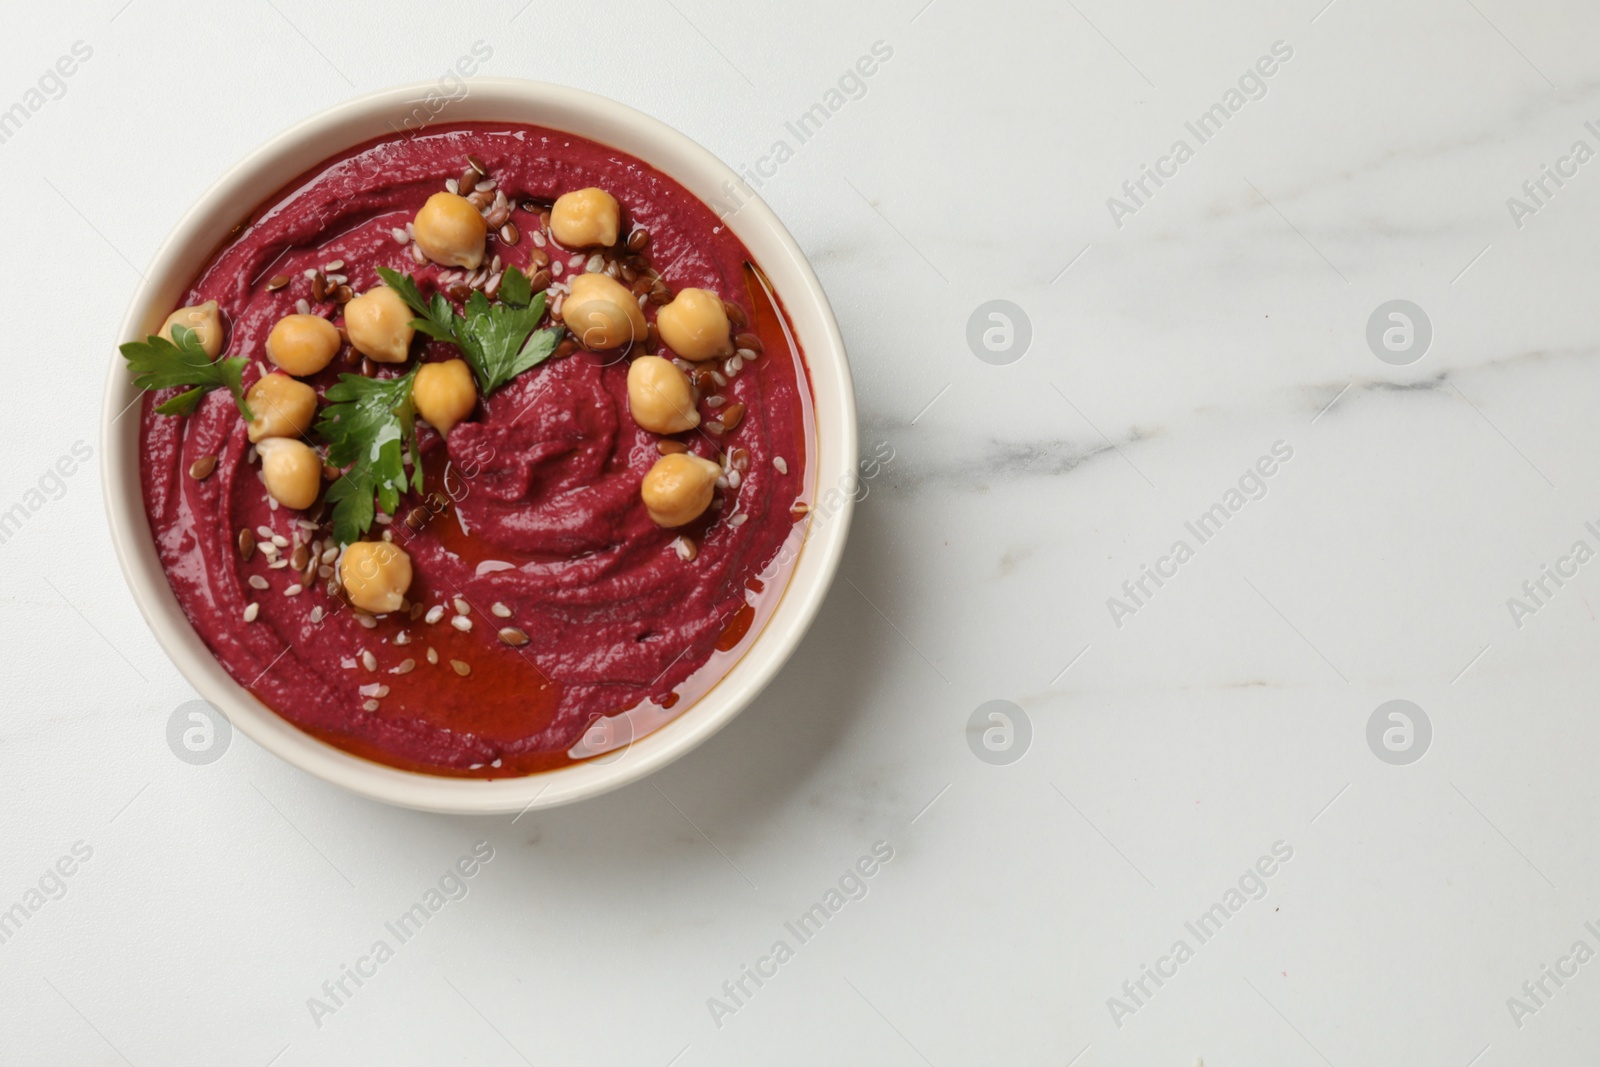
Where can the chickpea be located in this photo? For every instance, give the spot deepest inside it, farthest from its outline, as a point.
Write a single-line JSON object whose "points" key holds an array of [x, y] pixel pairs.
{"points": [[586, 217], [204, 319], [376, 575], [444, 393], [695, 326], [450, 231], [602, 313], [292, 470], [660, 397], [379, 325], [678, 488], [302, 344], [282, 407]]}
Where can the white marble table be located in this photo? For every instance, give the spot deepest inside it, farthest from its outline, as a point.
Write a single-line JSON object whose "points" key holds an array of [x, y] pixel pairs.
{"points": [[1172, 740]]}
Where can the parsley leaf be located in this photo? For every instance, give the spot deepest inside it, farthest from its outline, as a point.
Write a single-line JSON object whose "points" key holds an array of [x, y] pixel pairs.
{"points": [[497, 340], [369, 425], [158, 363]]}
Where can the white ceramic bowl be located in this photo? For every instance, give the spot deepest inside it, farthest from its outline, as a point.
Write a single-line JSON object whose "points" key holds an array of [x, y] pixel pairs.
{"points": [[290, 154]]}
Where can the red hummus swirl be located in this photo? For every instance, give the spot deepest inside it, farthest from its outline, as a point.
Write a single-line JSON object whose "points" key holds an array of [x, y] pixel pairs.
{"points": [[546, 531]]}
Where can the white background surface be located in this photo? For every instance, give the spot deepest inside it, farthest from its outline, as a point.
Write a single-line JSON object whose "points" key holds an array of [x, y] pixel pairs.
{"points": [[1228, 714]]}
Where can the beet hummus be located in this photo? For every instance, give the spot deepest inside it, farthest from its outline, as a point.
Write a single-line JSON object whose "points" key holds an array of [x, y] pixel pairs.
{"points": [[549, 607]]}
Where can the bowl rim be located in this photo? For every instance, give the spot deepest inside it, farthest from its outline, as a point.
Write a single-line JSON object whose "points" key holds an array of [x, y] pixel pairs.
{"points": [[269, 167]]}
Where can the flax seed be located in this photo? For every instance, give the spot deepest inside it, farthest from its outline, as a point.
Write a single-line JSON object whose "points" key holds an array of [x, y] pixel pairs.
{"points": [[512, 636], [201, 468], [276, 282]]}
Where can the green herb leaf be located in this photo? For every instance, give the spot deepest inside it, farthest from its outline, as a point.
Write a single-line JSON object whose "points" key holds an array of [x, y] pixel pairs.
{"points": [[370, 427], [494, 338], [516, 289], [158, 363]]}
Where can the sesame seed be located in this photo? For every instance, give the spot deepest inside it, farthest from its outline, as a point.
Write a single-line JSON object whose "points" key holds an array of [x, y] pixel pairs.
{"points": [[268, 549], [280, 540], [330, 554], [400, 236], [460, 667], [781, 464], [369, 705], [309, 272], [316, 613], [406, 667], [369, 661], [324, 571], [433, 657], [500, 610], [251, 610], [434, 614], [277, 564], [303, 306], [333, 265], [264, 532], [257, 582], [738, 520], [734, 478], [402, 638], [462, 623], [293, 590], [366, 620], [462, 607]]}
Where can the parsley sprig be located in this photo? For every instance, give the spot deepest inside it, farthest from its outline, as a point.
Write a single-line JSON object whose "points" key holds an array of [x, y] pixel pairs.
{"points": [[498, 340], [370, 427], [158, 363]]}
